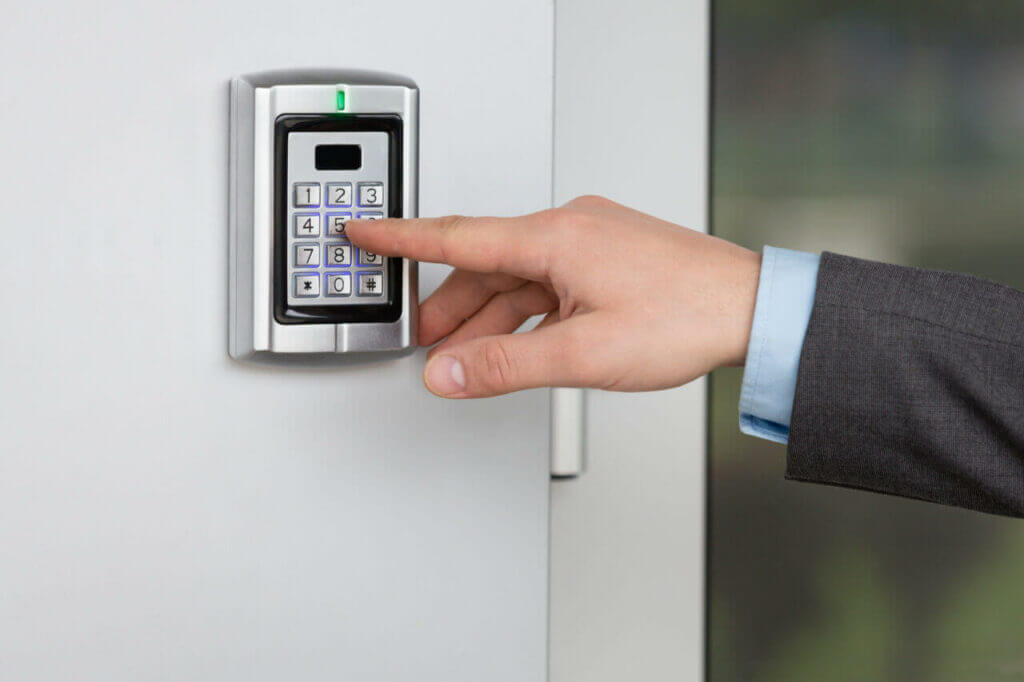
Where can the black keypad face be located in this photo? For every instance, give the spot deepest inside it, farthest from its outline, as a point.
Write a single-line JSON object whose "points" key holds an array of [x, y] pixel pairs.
{"points": [[324, 268]]}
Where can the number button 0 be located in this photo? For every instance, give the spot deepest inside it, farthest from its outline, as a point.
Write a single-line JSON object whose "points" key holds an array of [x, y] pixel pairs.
{"points": [[339, 194], [336, 223], [371, 194], [307, 255], [307, 194], [339, 284], [338, 255], [307, 225]]}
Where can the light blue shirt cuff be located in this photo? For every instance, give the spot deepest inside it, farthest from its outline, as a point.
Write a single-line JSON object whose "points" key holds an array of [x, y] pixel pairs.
{"points": [[785, 297]]}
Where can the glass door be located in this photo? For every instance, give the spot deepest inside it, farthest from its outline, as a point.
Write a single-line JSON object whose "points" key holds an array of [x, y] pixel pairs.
{"points": [[892, 131]]}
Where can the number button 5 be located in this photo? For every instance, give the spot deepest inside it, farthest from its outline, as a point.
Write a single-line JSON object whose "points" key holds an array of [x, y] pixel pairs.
{"points": [[336, 223]]}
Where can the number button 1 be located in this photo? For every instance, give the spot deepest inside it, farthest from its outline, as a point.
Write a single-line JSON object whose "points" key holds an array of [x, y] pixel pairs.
{"points": [[307, 194], [371, 194], [339, 194]]}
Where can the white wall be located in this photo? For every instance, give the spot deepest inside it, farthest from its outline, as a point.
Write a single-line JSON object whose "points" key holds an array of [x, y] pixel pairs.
{"points": [[627, 538], [167, 514]]}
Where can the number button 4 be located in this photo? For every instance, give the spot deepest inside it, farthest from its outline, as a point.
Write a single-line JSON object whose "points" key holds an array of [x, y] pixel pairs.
{"points": [[307, 225]]}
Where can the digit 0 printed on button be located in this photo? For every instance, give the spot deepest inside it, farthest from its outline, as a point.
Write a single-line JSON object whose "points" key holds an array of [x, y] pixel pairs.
{"points": [[339, 284]]}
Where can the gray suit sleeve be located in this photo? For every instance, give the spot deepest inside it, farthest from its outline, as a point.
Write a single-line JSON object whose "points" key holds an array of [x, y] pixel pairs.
{"points": [[911, 383]]}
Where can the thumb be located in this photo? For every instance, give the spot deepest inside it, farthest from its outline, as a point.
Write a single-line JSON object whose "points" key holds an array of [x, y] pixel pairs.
{"points": [[493, 365]]}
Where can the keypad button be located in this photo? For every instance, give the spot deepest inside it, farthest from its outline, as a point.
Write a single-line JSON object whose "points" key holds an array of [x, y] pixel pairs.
{"points": [[371, 194], [338, 255], [370, 215], [336, 224], [307, 224], [307, 286], [339, 284], [367, 258], [371, 284], [339, 194], [307, 194], [306, 255]]}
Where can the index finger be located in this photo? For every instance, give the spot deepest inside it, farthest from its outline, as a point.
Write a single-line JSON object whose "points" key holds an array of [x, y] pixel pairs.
{"points": [[514, 246]]}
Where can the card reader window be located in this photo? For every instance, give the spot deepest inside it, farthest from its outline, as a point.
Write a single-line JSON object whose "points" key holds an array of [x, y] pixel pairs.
{"points": [[338, 157]]}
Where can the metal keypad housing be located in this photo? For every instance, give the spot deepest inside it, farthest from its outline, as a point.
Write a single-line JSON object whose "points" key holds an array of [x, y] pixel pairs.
{"points": [[296, 284], [330, 198]]}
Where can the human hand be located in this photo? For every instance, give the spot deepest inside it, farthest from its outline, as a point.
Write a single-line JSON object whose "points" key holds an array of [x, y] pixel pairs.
{"points": [[631, 303]]}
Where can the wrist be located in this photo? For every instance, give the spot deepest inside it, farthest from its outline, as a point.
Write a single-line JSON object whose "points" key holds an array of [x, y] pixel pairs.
{"points": [[746, 274]]}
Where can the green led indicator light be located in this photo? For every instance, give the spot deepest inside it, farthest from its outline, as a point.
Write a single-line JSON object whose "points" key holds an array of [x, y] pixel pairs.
{"points": [[341, 100]]}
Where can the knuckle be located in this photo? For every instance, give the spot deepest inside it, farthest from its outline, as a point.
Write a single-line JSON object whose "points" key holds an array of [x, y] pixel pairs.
{"points": [[449, 228], [574, 355], [588, 201], [498, 364], [569, 223]]}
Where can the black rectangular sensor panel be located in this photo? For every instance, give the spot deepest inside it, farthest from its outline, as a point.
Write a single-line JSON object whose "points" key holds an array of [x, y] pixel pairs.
{"points": [[338, 157]]}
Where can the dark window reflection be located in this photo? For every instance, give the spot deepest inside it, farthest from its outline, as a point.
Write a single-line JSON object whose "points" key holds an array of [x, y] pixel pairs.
{"points": [[892, 130]]}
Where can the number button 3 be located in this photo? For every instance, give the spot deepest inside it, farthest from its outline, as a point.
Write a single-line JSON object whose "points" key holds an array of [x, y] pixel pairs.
{"points": [[371, 194]]}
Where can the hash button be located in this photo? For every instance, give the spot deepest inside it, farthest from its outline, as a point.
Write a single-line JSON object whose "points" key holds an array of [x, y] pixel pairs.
{"points": [[371, 284]]}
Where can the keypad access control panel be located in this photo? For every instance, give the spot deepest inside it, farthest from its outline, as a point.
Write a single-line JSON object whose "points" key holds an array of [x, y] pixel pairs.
{"points": [[334, 177], [312, 150]]}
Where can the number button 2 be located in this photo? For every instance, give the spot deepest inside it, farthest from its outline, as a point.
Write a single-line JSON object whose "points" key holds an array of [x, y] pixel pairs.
{"points": [[339, 194], [371, 194]]}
